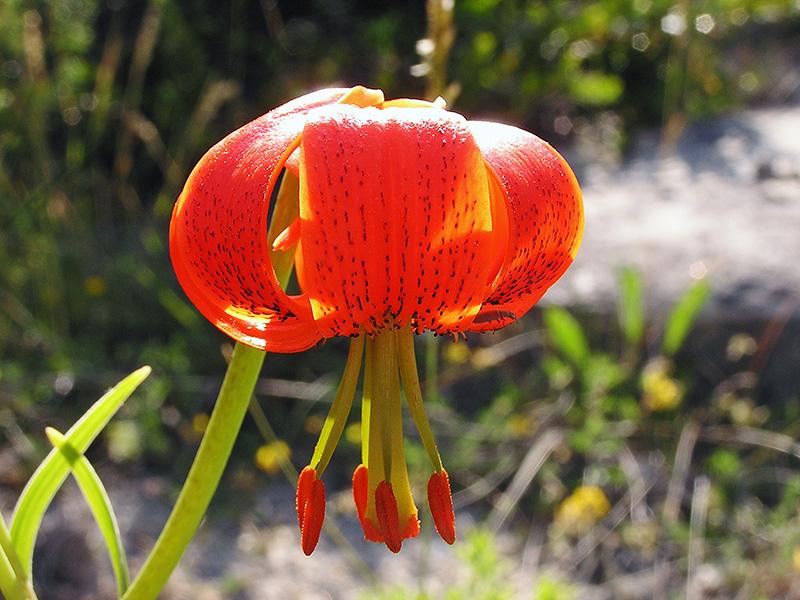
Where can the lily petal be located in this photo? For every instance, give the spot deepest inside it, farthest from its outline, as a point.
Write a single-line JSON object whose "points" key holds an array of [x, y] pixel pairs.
{"points": [[396, 221], [545, 219], [218, 241]]}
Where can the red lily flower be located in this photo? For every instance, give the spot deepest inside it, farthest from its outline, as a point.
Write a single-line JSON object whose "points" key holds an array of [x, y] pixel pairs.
{"points": [[409, 218]]}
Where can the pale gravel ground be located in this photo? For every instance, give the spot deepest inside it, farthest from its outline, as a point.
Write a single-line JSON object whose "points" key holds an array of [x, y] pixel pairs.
{"points": [[725, 204]]}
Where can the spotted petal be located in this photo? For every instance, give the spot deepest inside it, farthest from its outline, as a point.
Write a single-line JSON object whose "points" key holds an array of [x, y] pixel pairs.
{"points": [[396, 221], [545, 219], [218, 240]]}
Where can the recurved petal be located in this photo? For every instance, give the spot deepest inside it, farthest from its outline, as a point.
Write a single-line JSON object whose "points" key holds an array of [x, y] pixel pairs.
{"points": [[545, 219], [396, 222], [218, 240]]}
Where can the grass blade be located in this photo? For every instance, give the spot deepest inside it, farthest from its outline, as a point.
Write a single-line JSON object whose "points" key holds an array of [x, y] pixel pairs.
{"points": [[10, 586], [53, 470], [99, 503], [14, 585], [683, 316], [631, 309], [567, 335]]}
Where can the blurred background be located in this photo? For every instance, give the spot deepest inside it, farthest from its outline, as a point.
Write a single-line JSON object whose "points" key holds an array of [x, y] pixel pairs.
{"points": [[635, 436]]}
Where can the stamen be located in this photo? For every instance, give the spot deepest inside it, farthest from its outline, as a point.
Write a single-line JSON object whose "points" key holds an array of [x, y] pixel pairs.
{"points": [[408, 371], [360, 497], [385, 361], [360, 492], [399, 469], [313, 517], [310, 508], [340, 408], [440, 501], [388, 519], [366, 403], [288, 237], [376, 465], [283, 215], [386, 465], [304, 484]]}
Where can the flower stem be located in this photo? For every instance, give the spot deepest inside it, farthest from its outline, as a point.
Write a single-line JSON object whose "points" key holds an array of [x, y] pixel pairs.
{"points": [[204, 476]]}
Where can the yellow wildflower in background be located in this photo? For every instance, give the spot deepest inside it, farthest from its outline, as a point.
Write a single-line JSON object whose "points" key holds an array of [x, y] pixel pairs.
{"points": [[456, 354], [520, 426], [199, 423], [352, 433], [660, 391], [270, 456], [579, 511]]}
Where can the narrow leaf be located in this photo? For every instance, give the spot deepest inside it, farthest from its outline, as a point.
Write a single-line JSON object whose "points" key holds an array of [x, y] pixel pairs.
{"points": [[631, 309], [683, 316], [99, 503], [10, 586], [53, 470], [567, 335], [14, 585]]}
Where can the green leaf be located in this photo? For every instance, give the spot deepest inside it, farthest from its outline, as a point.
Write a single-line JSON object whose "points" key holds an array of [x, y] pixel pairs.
{"points": [[13, 583], [9, 584], [601, 373], [631, 309], [99, 503], [53, 470], [567, 335], [683, 316], [596, 88]]}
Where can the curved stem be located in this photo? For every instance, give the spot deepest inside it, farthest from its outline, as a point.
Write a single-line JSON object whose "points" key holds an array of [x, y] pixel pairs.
{"points": [[204, 476]]}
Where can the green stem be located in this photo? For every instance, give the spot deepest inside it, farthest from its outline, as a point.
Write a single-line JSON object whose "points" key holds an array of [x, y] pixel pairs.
{"points": [[204, 476]]}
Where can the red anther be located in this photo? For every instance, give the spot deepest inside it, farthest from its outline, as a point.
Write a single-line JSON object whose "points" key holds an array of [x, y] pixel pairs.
{"points": [[304, 484], [313, 516], [388, 519], [440, 500], [360, 497], [288, 237], [360, 491]]}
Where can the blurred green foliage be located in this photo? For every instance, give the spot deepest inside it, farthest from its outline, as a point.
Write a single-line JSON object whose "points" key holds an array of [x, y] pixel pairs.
{"points": [[642, 59], [486, 577], [105, 107]]}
